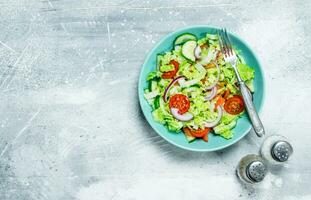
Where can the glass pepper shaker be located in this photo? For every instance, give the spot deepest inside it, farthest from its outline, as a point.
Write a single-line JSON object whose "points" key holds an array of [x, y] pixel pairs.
{"points": [[276, 149], [251, 169]]}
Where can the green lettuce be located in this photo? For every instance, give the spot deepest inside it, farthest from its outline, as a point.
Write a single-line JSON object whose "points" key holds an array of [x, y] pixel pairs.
{"points": [[212, 74], [232, 88], [166, 59], [153, 75], [158, 116], [173, 124], [162, 84], [164, 117], [204, 53], [190, 72], [166, 68], [229, 74], [201, 111], [225, 130], [246, 72], [202, 41], [227, 123], [182, 66], [177, 55], [228, 118]]}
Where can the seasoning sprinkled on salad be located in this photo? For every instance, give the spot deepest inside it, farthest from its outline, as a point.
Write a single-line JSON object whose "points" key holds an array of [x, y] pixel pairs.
{"points": [[194, 91]]}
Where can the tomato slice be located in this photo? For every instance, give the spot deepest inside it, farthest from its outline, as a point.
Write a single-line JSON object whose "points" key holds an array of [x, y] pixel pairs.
{"points": [[226, 94], [234, 105], [205, 138], [181, 102], [219, 102], [197, 133], [171, 74]]}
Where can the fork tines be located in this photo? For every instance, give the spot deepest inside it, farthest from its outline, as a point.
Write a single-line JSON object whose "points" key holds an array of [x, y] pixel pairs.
{"points": [[224, 42]]}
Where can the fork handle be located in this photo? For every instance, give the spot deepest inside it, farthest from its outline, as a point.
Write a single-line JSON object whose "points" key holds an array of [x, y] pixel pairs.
{"points": [[251, 110]]}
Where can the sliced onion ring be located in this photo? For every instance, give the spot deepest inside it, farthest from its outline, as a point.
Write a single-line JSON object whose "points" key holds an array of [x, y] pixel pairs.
{"points": [[197, 52], [184, 117], [169, 86], [212, 94], [217, 79], [216, 121]]}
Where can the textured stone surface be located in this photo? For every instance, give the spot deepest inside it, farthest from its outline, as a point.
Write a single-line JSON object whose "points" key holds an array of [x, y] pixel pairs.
{"points": [[70, 123]]}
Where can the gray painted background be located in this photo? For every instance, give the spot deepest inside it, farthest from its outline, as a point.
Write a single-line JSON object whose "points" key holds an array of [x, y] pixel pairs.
{"points": [[70, 123]]}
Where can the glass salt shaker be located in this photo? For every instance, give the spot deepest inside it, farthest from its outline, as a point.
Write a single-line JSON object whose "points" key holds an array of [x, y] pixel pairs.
{"points": [[276, 149], [251, 169]]}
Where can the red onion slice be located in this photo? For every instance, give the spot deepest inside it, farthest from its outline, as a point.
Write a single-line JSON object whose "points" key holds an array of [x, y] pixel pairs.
{"points": [[184, 117], [217, 79], [211, 95], [216, 121], [169, 86], [197, 52]]}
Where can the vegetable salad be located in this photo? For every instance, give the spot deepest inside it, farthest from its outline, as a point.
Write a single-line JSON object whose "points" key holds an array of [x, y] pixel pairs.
{"points": [[194, 91]]}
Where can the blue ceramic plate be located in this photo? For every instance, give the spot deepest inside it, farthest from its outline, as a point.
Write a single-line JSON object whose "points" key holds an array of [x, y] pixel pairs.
{"points": [[215, 142]]}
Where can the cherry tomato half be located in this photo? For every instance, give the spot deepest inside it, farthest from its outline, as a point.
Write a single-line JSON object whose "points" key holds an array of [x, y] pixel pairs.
{"points": [[205, 137], [200, 133], [171, 74], [181, 102], [234, 105], [220, 101]]}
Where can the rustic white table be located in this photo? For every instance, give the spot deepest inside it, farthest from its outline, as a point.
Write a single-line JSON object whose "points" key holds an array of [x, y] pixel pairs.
{"points": [[70, 122]]}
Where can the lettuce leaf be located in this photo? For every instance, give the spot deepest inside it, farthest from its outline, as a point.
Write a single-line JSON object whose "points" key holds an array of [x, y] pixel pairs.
{"points": [[246, 72], [229, 74], [153, 75], [232, 88], [225, 130], [158, 116], [190, 72], [201, 111], [202, 41], [167, 57], [173, 124], [162, 116], [228, 118], [227, 123], [166, 68]]}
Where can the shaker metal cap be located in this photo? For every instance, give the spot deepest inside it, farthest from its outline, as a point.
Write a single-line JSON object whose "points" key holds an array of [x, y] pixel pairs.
{"points": [[256, 171], [281, 151]]}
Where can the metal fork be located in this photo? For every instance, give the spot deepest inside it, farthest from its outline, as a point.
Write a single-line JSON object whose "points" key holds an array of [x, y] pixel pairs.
{"points": [[230, 57]]}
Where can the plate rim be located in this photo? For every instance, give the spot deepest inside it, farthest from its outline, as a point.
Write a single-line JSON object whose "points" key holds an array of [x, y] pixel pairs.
{"points": [[147, 57]]}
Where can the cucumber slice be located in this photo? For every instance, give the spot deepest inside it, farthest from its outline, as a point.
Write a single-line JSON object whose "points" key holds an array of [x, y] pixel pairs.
{"points": [[184, 38], [191, 89], [159, 60], [212, 36], [187, 50], [156, 103], [151, 95], [177, 47], [153, 85], [189, 83], [189, 138]]}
